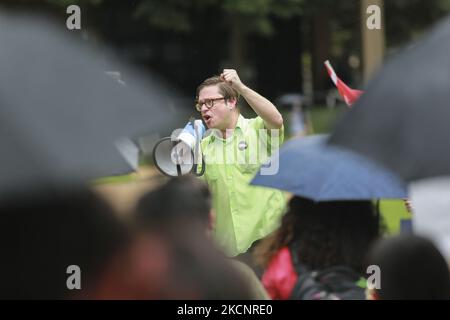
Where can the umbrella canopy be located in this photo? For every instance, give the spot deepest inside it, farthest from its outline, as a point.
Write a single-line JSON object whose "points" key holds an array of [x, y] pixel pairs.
{"points": [[402, 120], [309, 168], [63, 119]]}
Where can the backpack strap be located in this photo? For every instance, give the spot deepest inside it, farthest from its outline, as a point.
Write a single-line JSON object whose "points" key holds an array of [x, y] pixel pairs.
{"points": [[342, 281], [298, 267], [305, 280]]}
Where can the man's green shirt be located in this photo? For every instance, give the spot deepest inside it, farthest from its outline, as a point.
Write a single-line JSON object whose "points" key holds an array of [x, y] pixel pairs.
{"points": [[244, 213]]}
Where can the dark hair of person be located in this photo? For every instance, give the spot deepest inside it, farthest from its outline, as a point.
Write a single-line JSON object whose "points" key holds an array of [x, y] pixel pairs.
{"points": [[411, 267], [179, 212], [324, 234], [182, 198]]}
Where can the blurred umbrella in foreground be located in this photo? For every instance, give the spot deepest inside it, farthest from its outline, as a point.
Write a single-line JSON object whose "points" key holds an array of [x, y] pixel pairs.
{"points": [[63, 119], [402, 120], [309, 168], [431, 210]]}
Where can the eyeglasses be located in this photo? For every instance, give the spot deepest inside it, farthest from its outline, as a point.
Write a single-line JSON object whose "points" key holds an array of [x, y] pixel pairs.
{"points": [[208, 102]]}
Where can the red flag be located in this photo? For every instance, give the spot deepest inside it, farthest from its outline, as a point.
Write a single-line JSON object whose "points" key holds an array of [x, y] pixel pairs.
{"points": [[348, 94]]}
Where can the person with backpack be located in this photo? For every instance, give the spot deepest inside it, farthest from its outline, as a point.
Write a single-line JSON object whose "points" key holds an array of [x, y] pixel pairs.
{"points": [[318, 252]]}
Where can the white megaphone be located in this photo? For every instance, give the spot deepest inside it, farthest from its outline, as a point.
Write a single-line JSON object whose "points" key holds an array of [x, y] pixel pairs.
{"points": [[178, 155]]}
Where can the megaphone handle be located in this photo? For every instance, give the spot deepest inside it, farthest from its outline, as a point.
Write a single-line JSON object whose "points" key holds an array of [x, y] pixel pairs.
{"points": [[203, 167], [198, 139], [174, 143], [202, 172]]}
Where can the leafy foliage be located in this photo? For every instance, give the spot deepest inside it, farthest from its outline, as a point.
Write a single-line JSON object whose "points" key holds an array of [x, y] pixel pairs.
{"points": [[177, 15]]}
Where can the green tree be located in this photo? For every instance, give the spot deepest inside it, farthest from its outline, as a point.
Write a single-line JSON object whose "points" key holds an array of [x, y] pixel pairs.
{"points": [[240, 17], [177, 14], [408, 19]]}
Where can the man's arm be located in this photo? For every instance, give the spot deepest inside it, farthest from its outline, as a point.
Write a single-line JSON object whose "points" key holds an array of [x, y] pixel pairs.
{"points": [[263, 107]]}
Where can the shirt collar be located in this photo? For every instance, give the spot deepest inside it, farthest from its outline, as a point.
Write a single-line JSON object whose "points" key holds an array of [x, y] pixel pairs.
{"points": [[241, 123]]}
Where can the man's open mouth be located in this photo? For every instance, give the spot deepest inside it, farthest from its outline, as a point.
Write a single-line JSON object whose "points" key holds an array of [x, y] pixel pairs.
{"points": [[207, 117]]}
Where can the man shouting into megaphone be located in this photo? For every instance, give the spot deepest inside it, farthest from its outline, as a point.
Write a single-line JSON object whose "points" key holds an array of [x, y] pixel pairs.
{"points": [[234, 152]]}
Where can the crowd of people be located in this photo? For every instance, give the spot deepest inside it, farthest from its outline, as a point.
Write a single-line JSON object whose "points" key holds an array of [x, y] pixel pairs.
{"points": [[211, 238]]}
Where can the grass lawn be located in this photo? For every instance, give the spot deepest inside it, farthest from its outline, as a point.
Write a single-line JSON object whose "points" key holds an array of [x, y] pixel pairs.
{"points": [[393, 212]]}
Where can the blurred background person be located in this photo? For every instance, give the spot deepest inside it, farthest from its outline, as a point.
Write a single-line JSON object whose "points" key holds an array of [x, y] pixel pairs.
{"points": [[299, 119]]}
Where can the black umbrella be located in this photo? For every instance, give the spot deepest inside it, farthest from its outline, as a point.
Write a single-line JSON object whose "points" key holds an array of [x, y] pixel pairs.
{"points": [[403, 118], [62, 117]]}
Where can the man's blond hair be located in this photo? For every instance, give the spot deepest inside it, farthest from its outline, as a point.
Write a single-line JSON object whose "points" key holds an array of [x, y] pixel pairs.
{"points": [[225, 89]]}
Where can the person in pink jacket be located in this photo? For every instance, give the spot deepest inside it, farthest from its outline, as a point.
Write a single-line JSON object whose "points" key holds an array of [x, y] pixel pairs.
{"points": [[318, 235]]}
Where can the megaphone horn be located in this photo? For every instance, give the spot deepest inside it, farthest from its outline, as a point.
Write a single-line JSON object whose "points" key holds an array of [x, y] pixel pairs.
{"points": [[176, 156]]}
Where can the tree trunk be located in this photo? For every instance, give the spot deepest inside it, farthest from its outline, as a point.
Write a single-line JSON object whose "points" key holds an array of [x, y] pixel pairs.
{"points": [[237, 42], [321, 38], [373, 42]]}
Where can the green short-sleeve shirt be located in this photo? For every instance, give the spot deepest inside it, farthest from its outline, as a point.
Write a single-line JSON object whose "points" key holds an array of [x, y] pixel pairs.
{"points": [[244, 213]]}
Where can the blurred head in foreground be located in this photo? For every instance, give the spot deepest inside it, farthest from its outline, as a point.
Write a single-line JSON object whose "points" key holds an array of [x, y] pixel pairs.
{"points": [[411, 267], [178, 217], [43, 234]]}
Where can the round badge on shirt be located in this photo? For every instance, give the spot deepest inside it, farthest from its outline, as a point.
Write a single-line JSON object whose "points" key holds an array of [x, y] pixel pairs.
{"points": [[242, 145]]}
